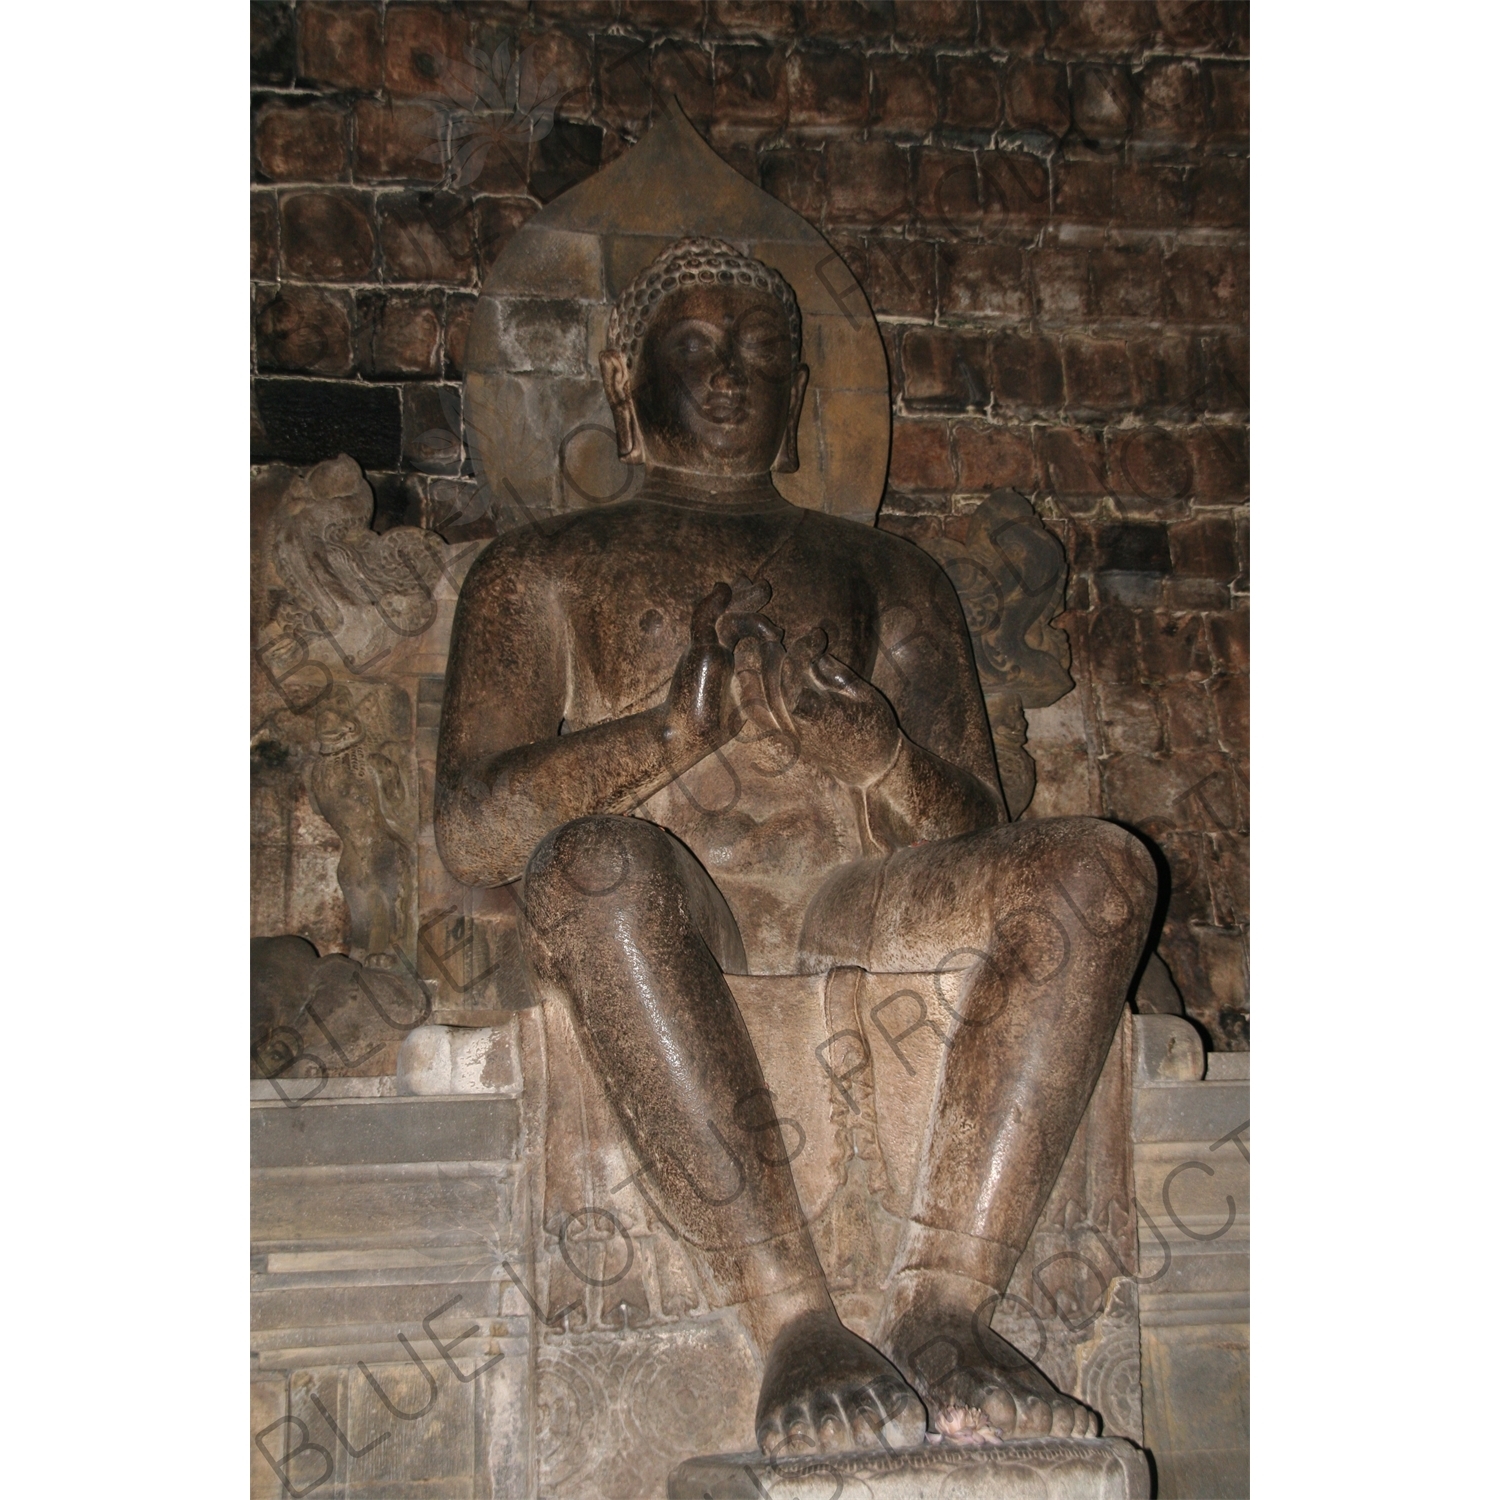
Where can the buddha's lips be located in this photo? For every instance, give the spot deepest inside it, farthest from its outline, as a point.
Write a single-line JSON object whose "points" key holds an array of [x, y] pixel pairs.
{"points": [[726, 409]]}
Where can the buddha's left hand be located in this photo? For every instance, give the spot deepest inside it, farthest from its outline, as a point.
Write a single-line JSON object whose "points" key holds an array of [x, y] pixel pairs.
{"points": [[842, 723]]}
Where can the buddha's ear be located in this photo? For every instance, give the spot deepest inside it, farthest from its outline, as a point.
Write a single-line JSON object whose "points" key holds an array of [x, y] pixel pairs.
{"points": [[617, 392], [787, 461]]}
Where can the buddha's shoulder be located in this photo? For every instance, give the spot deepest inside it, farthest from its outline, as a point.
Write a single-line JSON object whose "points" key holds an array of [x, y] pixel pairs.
{"points": [[892, 556]]}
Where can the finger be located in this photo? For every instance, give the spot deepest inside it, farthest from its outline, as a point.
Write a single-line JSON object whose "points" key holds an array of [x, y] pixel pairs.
{"points": [[740, 626], [706, 614], [831, 672]]}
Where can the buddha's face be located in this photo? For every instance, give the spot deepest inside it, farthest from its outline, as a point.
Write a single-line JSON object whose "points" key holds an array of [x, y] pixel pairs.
{"points": [[716, 386]]}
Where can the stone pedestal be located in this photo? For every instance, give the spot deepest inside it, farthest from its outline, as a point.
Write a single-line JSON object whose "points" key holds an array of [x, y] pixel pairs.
{"points": [[1034, 1469]]}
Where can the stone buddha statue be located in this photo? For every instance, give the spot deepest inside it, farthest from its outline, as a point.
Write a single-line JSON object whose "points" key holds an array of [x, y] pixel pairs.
{"points": [[711, 732]]}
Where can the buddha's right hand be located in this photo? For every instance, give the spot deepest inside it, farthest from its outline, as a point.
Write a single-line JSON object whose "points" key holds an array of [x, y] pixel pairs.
{"points": [[701, 710]]}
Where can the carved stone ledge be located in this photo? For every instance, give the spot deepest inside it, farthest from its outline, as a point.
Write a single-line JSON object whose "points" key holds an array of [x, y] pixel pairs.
{"points": [[1036, 1468]]}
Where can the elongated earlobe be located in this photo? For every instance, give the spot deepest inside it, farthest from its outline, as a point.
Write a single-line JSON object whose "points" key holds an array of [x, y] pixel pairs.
{"points": [[616, 375], [787, 461]]}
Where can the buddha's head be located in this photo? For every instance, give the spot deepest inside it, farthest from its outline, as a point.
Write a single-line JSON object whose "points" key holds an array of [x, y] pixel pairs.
{"points": [[702, 364]]}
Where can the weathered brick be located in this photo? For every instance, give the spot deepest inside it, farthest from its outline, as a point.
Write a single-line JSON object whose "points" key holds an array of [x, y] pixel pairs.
{"points": [[265, 259], [968, 93], [1173, 648], [1228, 102], [491, 158], [1171, 102], [665, 15], [422, 42], [850, 19], [431, 424], [1229, 878], [1103, 101], [400, 333], [983, 281], [947, 188], [1130, 590], [1229, 640], [1064, 292], [1226, 372], [495, 220], [303, 421], [426, 237], [934, 20], [340, 45], [624, 69], [568, 154], [1232, 705], [1190, 897], [995, 458], [458, 315], [1072, 460], [1198, 25], [1194, 594], [897, 274], [1204, 548], [1188, 712], [1166, 373], [1123, 547], [682, 71], [750, 87], [868, 182], [1036, 97], [1102, 193], [327, 235], [1129, 718], [903, 94], [1208, 284], [1112, 645], [1218, 193], [1127, 283], [1148, 464], [273, 44], [1103, 28], [1017, 26], [575, 12], [396, 142], [1026, 370], [557, 66], [753, 17], [1158, 794], [1097, 373], [303, 330], [302, 142], [795, 177], [1013, 187], [919, 456], [1221, 463], [826, 89], [944, 371]]}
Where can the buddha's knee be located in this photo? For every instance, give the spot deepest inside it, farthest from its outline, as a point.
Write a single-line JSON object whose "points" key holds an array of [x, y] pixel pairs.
{"points": [[592, 866], [1097, 878]]}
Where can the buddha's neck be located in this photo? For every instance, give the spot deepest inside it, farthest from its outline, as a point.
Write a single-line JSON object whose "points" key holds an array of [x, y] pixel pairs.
{"points": [[709, 491]]}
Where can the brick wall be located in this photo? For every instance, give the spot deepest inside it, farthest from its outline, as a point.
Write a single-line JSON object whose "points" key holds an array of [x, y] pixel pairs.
{"points": [[1047, 205]]}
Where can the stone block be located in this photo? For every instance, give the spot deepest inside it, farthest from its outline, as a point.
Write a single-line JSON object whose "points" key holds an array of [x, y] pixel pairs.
{"points": [[427, 236], [868, 182], [340, 45], [302, 141], [947, 189], [273, 44], [421, 43], [304, 329], [1036, 97], [750, 87], [1014, 189], [303, 421], [920, 459], [944, 371], [529, 335], [396, 142], [930, 21], [983, 282], [400, 333], [1168, 1049], [995, 458], [456, 1060], [1027, 371], [826, 89], [363, 1132], [1036, 1468], [1103, 101], [903, 95], [327, 235]]}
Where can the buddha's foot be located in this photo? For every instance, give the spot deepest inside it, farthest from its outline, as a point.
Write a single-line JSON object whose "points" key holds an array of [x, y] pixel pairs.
{"points": [[979, 1389], [827, 1391]]}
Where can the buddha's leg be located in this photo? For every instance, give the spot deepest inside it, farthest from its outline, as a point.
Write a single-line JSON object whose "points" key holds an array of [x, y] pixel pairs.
{"points": [[1041, 926], [624, 925]]}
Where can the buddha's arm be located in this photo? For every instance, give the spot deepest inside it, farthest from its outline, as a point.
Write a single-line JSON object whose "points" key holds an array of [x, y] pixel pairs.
{"points": [[505, 776], [943, 781]]}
